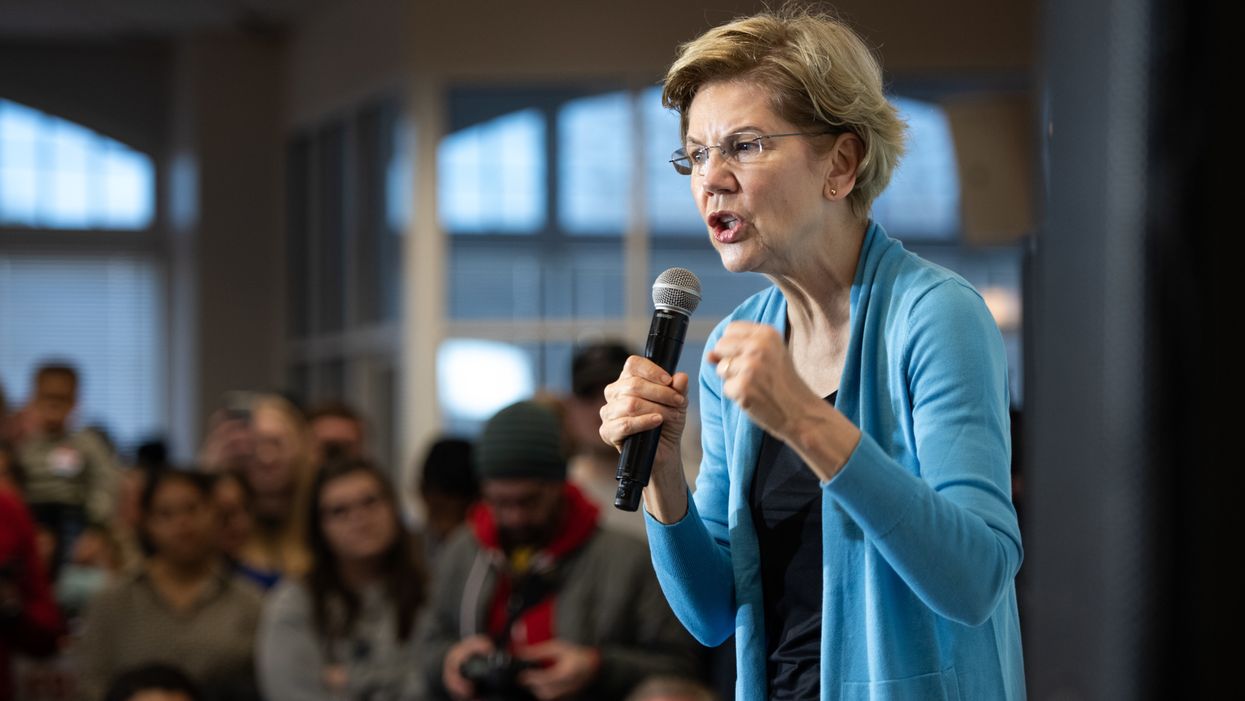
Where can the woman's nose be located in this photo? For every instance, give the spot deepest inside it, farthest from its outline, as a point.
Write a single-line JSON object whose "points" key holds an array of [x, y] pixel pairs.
{"points": [[716, 173]]}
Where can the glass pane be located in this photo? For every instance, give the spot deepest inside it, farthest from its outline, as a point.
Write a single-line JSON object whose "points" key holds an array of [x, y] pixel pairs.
{"points": [[477, 378], [491, 176], [521, 371], [57, 174], [19, 164], [298, 233], [127, 189], [594, 164], [400, 175], [923, 198], [494, 282], [67, 200], [330, 227], [373, 157], [671, 209], [399, 208], [518, 280]]}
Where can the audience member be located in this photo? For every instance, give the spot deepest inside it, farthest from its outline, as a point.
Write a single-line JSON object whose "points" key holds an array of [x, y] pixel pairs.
{"points": [[96, 558], [594, 463], [126, 520], [29, 621], [12, 476], [229, 445], [70, 475], [345, 631], [264, 439], [155, 682], [231, 495], [534, 600], [448, 488], [182, 605], [337, 431]]}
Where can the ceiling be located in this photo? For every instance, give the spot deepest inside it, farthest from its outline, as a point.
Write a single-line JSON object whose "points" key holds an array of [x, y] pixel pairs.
{"points": [[45, 19]]}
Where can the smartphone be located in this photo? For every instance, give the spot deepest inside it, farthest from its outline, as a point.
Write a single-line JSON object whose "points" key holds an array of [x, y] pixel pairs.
{"points": [[238, 405]]}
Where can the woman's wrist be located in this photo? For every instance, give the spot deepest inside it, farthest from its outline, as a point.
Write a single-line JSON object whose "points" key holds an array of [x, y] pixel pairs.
{"points": [[823, 438], [665, 497]]}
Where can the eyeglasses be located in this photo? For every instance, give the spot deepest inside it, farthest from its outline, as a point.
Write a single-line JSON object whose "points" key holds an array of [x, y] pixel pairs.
{"points": [[741, 147]]}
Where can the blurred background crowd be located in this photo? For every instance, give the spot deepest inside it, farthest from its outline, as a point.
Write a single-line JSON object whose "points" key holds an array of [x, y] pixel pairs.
{"points": [[280, 563]]}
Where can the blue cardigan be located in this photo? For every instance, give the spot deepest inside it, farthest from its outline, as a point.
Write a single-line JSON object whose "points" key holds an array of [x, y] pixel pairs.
{"points": [[920, 539]]}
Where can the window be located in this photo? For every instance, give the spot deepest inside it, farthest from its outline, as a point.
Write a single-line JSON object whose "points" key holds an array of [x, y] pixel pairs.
{"points": [[55, 174], [512, 158], [350, 200], [477, 378], [595, 145], [492, 176], [100, 313], [922, 201], [671, 209]]}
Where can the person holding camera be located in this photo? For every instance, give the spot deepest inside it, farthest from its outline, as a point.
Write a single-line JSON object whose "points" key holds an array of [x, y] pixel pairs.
{"points": [[534, 600]]}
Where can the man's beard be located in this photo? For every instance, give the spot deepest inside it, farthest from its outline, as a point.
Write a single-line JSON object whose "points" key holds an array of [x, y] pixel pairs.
{"points": [[526, 536]]}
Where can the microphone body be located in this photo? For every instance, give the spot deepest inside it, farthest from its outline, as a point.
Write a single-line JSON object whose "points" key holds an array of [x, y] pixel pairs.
{"points": [[635, 465], [676, 295]]}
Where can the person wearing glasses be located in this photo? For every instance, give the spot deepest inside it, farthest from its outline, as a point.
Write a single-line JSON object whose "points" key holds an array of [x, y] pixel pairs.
{"points": [[346, 630], [851, 526]]}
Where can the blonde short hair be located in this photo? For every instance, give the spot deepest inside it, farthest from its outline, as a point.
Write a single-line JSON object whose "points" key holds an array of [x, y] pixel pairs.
{"points": [[818, 73]]}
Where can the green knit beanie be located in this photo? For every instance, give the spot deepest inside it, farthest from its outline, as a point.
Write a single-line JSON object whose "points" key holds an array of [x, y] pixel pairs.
{"points": [[522, 441]]}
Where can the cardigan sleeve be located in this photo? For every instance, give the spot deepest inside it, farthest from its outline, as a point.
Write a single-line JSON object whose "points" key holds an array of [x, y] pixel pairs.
{"points": [[950, 532], [692, 556]]}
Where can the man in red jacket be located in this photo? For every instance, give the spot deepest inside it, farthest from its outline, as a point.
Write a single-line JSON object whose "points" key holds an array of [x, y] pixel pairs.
{"points": [[29, 620], [533, 600]]}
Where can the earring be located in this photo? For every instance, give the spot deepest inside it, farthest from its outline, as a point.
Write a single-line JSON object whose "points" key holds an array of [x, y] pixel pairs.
{"points": [[834, 192]]}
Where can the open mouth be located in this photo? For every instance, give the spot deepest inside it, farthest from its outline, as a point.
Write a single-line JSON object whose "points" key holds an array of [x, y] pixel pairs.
{"points": [[725, 226]]}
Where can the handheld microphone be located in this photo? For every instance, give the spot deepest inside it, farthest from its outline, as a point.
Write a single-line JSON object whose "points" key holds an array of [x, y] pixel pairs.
{"points": [[676, 294]]}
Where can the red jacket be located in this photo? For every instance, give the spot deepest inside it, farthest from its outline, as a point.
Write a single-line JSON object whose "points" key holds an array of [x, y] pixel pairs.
{"points": [[39, 624], [535, 625]]}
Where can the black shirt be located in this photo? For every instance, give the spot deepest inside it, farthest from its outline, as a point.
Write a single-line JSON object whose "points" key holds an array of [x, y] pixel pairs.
{"points": [[786, 511]]}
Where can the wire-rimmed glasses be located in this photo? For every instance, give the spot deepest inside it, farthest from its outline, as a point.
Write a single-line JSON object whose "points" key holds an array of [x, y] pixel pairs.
{"points": [[741, 147]]}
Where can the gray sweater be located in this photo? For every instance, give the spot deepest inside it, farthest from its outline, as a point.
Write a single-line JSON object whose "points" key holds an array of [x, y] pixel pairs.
{"points": [[610, 599], [74, 469], [130, 624], [294, 663]]}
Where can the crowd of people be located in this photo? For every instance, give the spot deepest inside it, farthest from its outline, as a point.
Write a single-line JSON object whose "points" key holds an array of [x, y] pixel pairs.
{"points": [[280, 564]]}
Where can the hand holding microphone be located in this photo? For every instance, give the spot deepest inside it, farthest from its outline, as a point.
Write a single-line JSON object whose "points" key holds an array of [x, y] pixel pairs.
{"points": [[645, 409]]}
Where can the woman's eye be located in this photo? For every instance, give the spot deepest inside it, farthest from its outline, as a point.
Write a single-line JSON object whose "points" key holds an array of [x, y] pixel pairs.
{"points": [[747, 146]]}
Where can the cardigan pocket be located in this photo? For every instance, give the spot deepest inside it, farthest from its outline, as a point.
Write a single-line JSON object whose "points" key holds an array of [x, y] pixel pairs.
{"points": [[934, 686]]}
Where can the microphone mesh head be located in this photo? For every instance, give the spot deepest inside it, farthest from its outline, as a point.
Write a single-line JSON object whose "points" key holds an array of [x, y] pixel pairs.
{"points": [[677, 289]]}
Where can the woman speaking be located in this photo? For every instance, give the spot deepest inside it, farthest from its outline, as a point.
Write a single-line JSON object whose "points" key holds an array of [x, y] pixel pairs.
{"points": [[852, 524]]}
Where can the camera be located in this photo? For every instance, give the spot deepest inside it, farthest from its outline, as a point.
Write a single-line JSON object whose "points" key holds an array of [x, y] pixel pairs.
{"points": [[495, 675]]}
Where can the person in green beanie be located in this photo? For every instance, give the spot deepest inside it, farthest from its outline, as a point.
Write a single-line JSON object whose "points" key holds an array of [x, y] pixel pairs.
{"points": [[533, 599]]}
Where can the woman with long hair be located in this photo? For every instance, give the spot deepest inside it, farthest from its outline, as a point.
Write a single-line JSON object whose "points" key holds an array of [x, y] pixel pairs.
{"points": [[354, 611], [264, 439]]}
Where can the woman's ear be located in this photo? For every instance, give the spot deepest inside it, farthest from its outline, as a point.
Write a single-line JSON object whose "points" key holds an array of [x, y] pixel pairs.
{"points": [[844, 160]]}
